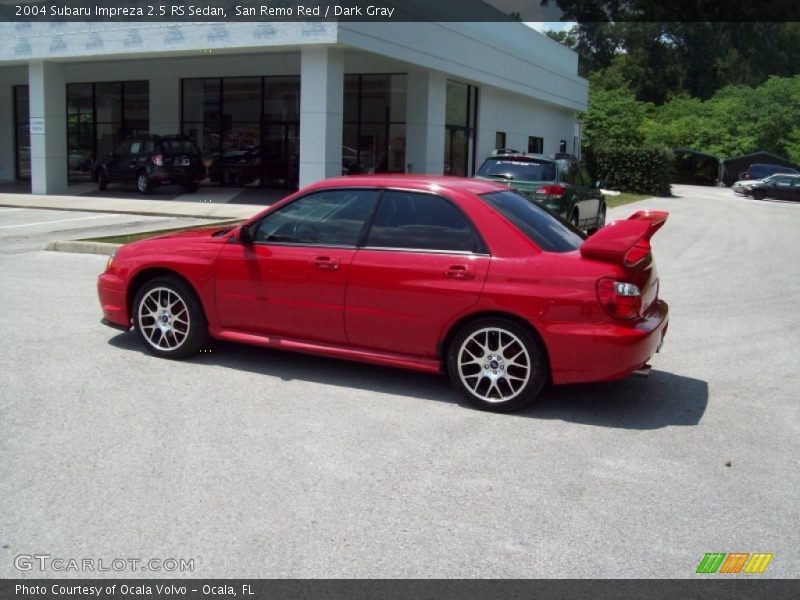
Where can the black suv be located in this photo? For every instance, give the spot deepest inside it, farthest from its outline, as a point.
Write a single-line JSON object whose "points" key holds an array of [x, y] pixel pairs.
{"points": [[151, 160]]}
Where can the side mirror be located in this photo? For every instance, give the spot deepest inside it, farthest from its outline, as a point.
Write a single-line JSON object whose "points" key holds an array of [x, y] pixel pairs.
{"points": [[598, 184], [245, 238]]}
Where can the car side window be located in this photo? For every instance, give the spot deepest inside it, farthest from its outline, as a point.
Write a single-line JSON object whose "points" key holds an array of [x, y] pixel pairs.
{"points": [[325, 218], [123, 149], [416, 221], [783, 182]]}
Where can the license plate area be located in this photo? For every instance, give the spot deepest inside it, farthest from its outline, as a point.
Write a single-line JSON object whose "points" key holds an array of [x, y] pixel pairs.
{"points": [[181, 162]]}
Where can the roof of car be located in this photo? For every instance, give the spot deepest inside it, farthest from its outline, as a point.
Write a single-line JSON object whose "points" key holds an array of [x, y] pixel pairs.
{"points": [[524, 157], [416, 182]]}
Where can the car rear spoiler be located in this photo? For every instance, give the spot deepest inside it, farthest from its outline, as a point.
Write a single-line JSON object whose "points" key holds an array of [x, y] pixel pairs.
{"points": [[625, 242]]}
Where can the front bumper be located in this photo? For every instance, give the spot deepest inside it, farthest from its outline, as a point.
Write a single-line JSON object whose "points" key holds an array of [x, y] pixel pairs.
{"points": [[583, 353], [113, 301]]}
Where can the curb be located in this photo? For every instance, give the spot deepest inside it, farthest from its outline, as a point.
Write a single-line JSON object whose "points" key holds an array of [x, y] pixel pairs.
{"points": [[82, 247]]}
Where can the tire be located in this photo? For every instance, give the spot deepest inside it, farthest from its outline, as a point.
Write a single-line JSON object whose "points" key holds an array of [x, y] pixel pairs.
{"points": [[190, 188], [102, 180], [497, 364], [573, 219], [173, 303], [758, 194], [143, 183], [601, 220]]}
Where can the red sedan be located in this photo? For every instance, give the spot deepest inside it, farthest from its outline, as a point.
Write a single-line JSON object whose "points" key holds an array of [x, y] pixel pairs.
{"points": [[434, 274]]}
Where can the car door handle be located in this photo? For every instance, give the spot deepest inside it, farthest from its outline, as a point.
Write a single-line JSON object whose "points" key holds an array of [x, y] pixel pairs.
{"points": [[325, 263], [459, 272]]}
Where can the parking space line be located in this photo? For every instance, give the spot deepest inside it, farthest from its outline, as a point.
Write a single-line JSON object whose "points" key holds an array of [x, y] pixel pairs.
{"points": [[58, 221]]}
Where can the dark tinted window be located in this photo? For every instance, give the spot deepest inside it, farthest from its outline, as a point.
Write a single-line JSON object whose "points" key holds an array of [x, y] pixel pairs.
{"points": [[174, 147], [526, 170], [327, 218], [542, 228], [420, 221]]}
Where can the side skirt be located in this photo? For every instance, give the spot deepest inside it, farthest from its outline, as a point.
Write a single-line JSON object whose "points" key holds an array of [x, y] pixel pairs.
{"points": [[377, 357]]}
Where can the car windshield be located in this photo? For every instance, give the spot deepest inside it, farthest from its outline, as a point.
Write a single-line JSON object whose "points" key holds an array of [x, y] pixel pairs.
{"points": [[542, 228], [517, 169]]}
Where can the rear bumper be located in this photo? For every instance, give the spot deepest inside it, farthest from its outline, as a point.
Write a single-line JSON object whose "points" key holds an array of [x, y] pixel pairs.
{"points": [[160, 177], [111, 291], [607, 351]]}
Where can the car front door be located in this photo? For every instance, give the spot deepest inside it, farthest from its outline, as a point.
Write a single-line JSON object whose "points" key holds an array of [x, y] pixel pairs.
{"points": [[422, 266], [290, 281]]}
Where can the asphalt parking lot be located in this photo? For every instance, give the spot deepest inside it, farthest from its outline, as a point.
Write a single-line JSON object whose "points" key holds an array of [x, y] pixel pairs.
{"points": [[257, 463]]}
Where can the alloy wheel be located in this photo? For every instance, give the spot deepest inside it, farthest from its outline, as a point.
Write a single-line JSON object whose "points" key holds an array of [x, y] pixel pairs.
{"points": [[164, 319], [494, 365]]}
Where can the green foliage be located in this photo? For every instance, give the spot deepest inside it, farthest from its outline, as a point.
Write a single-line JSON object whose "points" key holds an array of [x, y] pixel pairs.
{"points": [[644, 171], [615, 118], [736, 120], [660, 60]]}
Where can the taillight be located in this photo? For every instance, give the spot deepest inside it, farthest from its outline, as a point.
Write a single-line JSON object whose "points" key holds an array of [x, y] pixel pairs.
{"points": [[554, 191], [620, 299], [158, 160]]}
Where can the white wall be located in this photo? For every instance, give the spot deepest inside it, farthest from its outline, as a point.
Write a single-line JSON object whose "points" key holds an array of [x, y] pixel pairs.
{"points": [[508, 56], [520, 117]]}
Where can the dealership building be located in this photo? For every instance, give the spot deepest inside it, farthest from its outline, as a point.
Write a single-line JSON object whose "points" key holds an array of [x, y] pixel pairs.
{"points": [[282, 104]]}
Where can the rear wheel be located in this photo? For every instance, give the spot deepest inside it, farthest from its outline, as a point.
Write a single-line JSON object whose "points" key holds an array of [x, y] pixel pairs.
{"points": [[143, 183], [573, 219], [497, 364], [601, 219], [102, 180], [169, 318]]}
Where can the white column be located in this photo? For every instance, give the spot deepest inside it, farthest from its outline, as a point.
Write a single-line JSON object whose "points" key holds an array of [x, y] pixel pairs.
{"points": [[48, 118], [7, 158], [321, 113], [425, 116], [165, 105]]}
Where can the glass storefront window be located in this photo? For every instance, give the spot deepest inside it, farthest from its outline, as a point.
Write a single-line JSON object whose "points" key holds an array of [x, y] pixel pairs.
{"points": [[246, 127], [99, 117], [460, 128], [22, 132], [374, 139]]}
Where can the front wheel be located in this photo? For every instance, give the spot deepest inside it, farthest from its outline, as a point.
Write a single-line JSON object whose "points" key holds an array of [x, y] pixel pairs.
{"points": [[497, 365], [758, 194], [601, 220], [169, 318], [143, 183], [190, 188]]}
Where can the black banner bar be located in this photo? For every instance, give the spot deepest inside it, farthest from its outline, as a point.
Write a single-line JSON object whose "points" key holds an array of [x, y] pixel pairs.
{"points": [[396, 10], [705, 588]]}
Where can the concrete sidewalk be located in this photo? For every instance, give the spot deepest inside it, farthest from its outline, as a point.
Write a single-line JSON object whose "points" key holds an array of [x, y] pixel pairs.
{"points": [[138, 206]]}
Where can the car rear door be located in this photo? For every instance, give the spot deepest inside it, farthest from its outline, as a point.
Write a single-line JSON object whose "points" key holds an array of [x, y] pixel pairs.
{"points": [[421, 267], [290, 281]]}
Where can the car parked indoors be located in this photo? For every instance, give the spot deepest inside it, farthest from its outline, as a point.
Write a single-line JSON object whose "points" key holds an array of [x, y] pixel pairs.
{"points": [[561, 185], [153, 160], [434, 274], [780, 187]]}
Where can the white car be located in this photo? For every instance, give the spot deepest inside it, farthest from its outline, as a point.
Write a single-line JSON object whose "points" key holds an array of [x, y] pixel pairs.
{"points": [[741, 186]]}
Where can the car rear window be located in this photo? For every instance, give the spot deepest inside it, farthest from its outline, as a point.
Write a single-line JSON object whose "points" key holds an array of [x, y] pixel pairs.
{"points": [[176, 147], [526, 170], [542, 228]]}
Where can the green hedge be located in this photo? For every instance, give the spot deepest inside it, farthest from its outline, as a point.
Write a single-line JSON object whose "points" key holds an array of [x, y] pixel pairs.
{"points": [[643, 171]]}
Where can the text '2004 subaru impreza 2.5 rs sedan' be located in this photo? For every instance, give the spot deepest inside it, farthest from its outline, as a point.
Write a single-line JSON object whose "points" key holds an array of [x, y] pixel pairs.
{"points": [[435, 274]]}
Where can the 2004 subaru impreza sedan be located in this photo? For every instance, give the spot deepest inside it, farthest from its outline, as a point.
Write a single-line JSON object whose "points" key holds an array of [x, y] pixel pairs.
{"points": [[434, 274]]}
